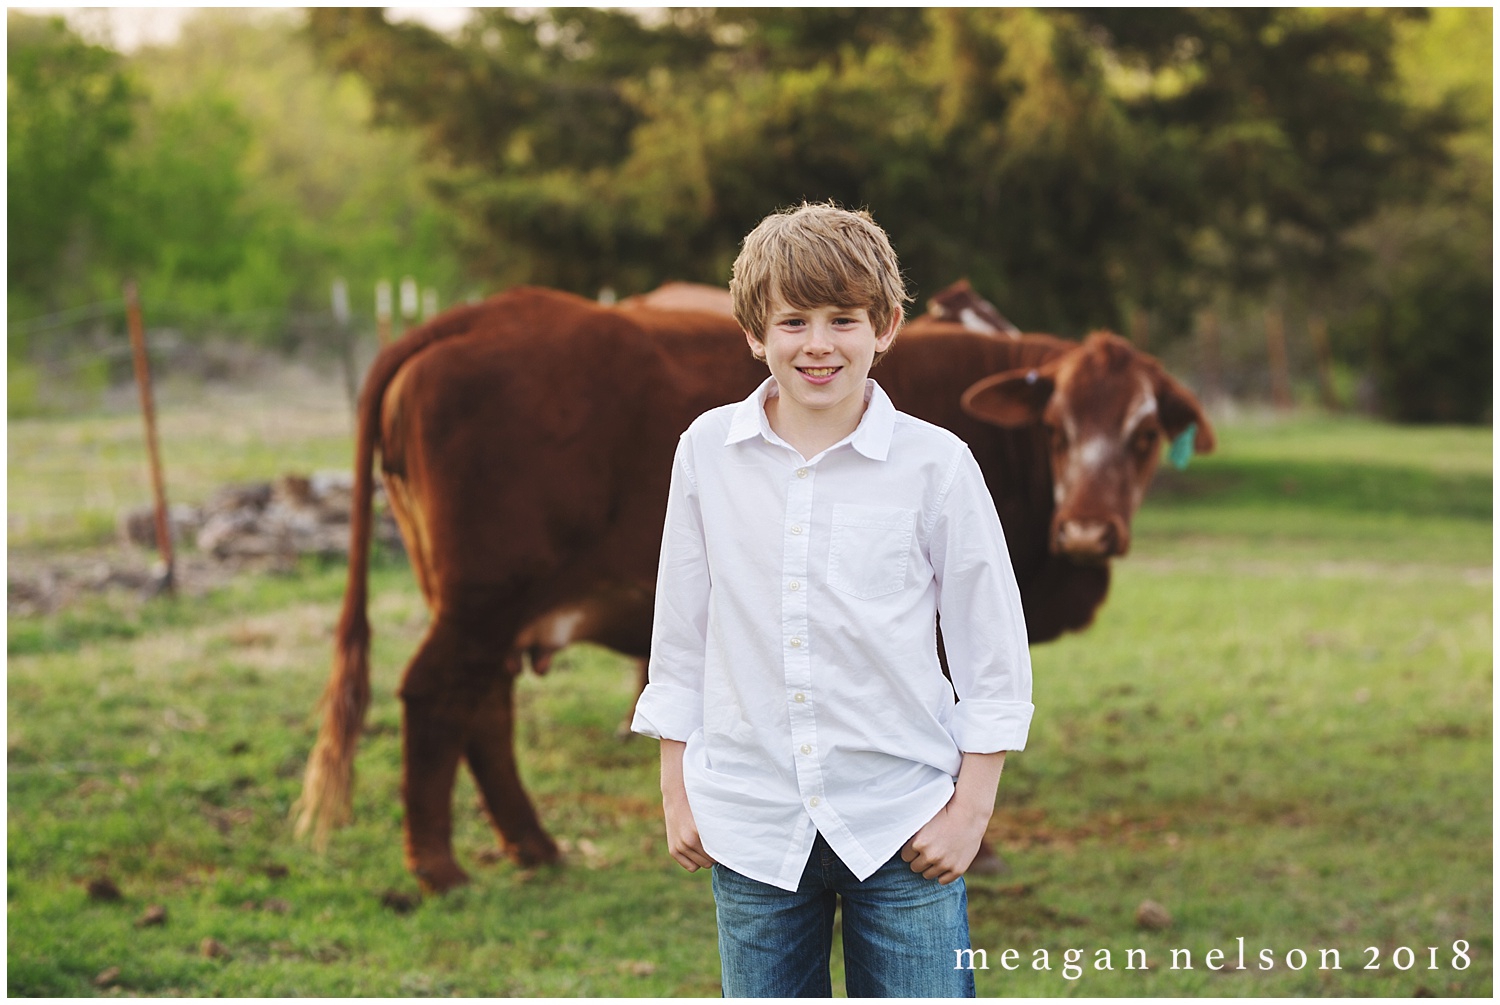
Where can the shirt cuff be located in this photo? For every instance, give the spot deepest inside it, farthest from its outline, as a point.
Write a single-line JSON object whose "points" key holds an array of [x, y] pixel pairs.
{"points": [[668, 712], [982, 726]]}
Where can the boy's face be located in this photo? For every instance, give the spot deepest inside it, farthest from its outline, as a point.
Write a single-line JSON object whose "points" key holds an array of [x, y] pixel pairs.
{"points": [[821, 356]]}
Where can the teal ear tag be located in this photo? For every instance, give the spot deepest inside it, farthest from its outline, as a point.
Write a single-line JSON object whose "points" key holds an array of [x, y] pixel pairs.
{"points": [[1181, 450]]}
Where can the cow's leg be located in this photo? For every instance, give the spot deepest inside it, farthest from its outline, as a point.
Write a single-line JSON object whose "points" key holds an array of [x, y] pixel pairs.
{"points": [[429, 765], [491, 754], [451, 682]]}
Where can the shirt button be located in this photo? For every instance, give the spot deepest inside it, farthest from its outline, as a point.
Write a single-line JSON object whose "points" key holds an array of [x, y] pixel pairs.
{"points": [[796, 528], [799, 697], [814, 801], [796, 643], [806, 748], [796, 585], [801, 472]]}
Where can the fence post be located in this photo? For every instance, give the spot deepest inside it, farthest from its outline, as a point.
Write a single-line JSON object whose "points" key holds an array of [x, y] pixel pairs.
{"points": [[1281, 380], [1209, 356], [408, 303], [168, 581], [1140, 328], [1317, 330], [383, 311], [346, 339]]}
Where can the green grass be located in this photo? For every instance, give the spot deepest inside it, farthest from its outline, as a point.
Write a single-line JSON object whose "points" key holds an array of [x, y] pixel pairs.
{"points": [[1279, 728]]}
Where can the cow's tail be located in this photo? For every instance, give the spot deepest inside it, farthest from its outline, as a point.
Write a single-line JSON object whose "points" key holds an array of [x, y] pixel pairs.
{"points": [[328, 784]]}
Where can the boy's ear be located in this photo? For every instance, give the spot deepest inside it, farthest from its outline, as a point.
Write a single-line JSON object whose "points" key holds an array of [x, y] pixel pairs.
{"points": [[883, 342], [757, 347]]}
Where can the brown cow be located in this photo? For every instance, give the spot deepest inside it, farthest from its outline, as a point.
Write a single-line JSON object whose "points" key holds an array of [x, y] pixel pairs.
{"points": [[526, 444], [960, 303], [683, 297]]}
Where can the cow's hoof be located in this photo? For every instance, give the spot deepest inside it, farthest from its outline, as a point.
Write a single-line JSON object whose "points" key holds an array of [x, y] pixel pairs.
{"points": [[538, 850], [440, 877], [988, 863]]}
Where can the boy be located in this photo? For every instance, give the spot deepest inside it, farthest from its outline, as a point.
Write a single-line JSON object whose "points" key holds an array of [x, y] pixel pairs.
{"points": [[811, 748]]}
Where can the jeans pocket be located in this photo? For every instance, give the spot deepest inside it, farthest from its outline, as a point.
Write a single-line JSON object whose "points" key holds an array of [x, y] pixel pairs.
{"points": [[870, 549]]}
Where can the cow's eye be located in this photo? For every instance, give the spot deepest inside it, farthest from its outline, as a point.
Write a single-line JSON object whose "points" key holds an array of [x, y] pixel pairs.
{"points": [[1145, 442]]}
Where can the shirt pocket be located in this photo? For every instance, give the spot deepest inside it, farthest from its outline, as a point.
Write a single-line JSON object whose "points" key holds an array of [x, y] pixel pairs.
{"points": [[870, 549]]}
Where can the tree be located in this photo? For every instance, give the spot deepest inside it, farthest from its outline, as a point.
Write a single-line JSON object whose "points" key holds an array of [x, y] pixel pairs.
{"points": [[69, 109], [1421, 313], [229, 173], [317, 192], [1071, 163]]}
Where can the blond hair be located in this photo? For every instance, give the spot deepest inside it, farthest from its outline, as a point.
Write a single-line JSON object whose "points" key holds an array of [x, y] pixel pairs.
{"points": [[817, 255]]}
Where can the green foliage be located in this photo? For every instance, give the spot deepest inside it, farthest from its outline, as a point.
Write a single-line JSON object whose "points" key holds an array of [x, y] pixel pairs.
{"points": [[241, 179], [1299, 126], [1423, 311], [68, 109], [1280, 728], [1430, 330], [177, 205], [1071, 164], [324, 195], [1082, 167]]}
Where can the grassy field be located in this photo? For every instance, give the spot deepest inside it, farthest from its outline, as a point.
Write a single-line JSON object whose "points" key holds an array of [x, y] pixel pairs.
{"points": [[1279, 729]]}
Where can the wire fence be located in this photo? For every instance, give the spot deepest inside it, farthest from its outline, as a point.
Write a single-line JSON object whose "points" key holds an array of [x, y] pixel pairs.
{"points": [[106, 320], [1246, 356]]}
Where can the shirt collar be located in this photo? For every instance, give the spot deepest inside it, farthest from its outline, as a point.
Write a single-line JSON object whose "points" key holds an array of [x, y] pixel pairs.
{"points": [[872, 437]]}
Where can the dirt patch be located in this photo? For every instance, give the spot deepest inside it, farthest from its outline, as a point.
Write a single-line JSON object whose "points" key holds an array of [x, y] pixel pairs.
{"points": [[40, 584]]}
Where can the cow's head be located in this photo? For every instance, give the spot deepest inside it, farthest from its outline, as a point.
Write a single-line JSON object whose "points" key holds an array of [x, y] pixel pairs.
{"points": [[1109, 409]]}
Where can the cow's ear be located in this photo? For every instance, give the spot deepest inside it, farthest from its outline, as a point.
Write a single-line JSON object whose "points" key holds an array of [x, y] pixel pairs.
{"points": [[1013, 398], [1178, 408]]}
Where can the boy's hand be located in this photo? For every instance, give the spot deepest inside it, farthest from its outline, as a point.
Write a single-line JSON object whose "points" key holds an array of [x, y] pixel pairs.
{"points": [[682, 832], [945, 846]]}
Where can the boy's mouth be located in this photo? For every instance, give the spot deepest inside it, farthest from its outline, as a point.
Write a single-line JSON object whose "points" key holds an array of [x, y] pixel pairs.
{"points": [[819, 371]]}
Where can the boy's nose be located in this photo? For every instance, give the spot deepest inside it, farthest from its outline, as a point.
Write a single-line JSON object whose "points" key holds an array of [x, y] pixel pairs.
{"points": [[818, 339]]}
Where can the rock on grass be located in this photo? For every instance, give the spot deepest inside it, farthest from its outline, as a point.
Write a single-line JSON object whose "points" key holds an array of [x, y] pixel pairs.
{"points": [[401, 903], [155, 915], [1152, 916], [103, 888]]}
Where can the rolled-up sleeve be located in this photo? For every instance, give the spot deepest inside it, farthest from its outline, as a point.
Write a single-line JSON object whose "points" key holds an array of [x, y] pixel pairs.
{"points": [[979, 604], [671, 706]]}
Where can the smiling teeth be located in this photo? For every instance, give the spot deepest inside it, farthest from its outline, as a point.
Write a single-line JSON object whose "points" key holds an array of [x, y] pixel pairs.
{"points": [[820, 371]]}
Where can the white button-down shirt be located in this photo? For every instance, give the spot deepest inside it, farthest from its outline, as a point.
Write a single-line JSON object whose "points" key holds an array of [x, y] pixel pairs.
{"points": [[794, 645]]}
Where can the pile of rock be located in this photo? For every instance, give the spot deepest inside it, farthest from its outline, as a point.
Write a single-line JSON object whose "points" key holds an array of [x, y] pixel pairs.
{"points": [[282, 519]]}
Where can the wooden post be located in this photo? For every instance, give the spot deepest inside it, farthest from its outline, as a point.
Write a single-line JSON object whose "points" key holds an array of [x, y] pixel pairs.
{"points": [[1140, 328], [383, 311], [168, 581], [346, 340], [408, 303], [1281, 380], [1208, 340], [1317, 330]]}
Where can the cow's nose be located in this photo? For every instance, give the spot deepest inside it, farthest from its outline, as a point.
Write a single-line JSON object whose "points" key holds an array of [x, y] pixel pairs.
{"points": [[1089, 540]]}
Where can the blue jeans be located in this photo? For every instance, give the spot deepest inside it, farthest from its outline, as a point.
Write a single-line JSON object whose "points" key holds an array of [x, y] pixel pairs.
{"points": [[902, 933]]}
